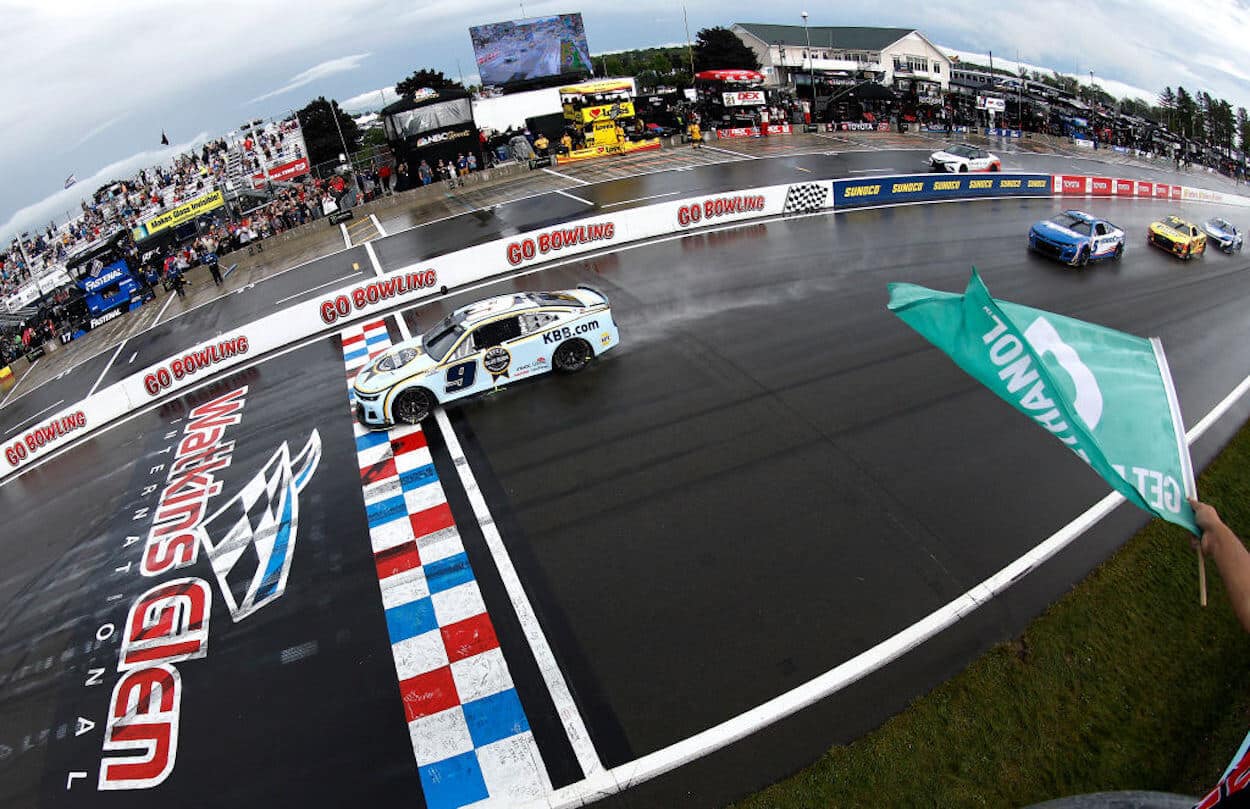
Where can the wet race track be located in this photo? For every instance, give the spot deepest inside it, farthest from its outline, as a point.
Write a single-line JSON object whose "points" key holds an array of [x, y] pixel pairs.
{"points": [[768, 477]]}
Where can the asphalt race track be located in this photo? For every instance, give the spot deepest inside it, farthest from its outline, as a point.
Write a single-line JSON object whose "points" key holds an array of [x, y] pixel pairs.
{"points": [[474, 227], [769, 476]]}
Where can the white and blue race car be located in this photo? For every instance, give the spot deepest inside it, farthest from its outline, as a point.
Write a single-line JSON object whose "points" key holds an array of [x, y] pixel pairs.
{"points": [[482, 347], [1076, 238], [1225, 235]]}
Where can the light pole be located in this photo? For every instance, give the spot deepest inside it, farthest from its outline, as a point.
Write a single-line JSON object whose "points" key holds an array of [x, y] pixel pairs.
{"points": [[811, 77], [689, 47]]}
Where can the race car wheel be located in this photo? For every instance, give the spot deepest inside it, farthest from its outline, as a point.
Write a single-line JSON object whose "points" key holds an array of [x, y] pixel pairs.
{"points": [[993, 167], [412, 406], [1082, 258], [1119, 252], [572, 356], [963, 168]]}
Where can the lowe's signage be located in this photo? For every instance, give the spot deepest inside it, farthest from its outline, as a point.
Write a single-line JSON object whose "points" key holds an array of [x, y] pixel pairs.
{"points": [[923, 187]]}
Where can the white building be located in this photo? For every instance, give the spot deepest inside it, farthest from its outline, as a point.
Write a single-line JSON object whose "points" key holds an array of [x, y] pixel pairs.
{"points": [[902, 59]]}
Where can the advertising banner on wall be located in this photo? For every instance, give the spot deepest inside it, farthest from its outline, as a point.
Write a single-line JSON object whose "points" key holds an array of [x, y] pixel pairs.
{"points": [[282, 173], [176, 216], [925, 187]]}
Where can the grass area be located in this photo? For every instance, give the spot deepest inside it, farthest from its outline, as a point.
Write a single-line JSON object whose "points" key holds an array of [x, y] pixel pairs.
{"points": [[1125, 683]]}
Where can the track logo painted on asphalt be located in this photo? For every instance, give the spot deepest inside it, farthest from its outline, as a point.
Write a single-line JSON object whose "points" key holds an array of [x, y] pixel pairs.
{"points": [[249, 543], [272, 536]]}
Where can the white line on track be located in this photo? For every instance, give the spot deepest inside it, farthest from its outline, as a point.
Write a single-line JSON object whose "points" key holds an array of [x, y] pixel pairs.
{"points": [[377, 225], [573, 196], [557, 687], [18, 426], [168, 300], [373, 259], [740, 155], [870, 171], [639, 199], [870, 660], [800, 168], [577, 180], [132, 358], [347, 239], [19, 382], [319, 286], [561, 696], [107, 366]]}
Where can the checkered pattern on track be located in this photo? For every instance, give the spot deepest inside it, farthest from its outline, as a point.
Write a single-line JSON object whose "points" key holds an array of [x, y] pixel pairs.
{"points": [[470, 736]]}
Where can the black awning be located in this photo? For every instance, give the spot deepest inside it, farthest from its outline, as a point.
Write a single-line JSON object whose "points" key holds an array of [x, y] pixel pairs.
{"points": [[871, 91]]}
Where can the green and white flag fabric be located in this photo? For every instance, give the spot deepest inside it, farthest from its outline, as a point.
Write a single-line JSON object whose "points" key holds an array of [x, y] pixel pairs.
{"points": [[1107, 395]]}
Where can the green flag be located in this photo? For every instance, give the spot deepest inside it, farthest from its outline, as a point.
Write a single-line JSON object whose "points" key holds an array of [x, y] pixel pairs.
{"points": [[1107, 395]]}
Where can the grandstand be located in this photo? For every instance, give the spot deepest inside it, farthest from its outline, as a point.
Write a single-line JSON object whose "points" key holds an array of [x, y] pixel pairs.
{"points": [[250, 161]]}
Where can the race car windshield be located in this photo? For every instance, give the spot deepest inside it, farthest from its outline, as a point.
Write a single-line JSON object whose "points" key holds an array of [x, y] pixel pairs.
{"points": [[439, 340], [960, 150], [1175, 222], [1071, 223]]}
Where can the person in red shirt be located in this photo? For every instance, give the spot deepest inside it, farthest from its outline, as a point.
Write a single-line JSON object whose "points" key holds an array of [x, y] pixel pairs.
{"points": [[384, 178]]}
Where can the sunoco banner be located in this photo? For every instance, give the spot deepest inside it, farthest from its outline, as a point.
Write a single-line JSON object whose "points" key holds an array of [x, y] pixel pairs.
{"points": [[1107, 395]]}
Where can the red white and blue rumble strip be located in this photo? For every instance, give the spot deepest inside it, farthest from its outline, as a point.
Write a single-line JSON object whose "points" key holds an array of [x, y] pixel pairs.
{"points": [[470, 736]]}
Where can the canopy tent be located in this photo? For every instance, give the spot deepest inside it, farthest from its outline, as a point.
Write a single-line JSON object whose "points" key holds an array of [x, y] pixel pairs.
{"points": [[432, 125]]}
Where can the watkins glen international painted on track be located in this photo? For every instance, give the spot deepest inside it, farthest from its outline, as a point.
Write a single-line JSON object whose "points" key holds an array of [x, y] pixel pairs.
{"points": [[249, 542]]}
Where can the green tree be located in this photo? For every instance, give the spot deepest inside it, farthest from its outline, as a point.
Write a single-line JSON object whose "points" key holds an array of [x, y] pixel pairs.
{"points": [[1243, 130], [321, 136], [719, 48], [614, 65], [1167, 104], [375, 136], [1186, 111], [420, 79]]}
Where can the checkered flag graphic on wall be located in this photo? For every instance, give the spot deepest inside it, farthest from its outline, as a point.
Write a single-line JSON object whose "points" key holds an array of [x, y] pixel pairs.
{"points": [[806, 197]]}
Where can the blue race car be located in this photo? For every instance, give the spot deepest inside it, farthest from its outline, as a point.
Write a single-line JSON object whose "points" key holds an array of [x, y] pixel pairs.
{"points": [[1224, 234], [1076, 238]]}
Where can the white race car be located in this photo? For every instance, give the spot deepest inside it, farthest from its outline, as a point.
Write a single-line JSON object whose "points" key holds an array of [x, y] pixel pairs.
{"points": [[962, 157], [482, 347]]}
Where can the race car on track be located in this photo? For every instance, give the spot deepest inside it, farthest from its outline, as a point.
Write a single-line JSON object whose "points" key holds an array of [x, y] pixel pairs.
{"points": [[481, 347], [1225, 235], [1076, 238], [962, 157], [1178, 237]]}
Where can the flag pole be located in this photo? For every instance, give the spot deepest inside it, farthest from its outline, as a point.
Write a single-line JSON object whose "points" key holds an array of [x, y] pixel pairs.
{"points": [[1202, 577]]}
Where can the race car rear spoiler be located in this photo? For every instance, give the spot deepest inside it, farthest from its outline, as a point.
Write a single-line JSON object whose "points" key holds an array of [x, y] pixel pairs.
{"points": [[589, 288]]}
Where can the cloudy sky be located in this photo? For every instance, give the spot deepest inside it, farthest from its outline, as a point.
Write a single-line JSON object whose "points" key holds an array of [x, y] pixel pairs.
{"points": [[92, 84]]}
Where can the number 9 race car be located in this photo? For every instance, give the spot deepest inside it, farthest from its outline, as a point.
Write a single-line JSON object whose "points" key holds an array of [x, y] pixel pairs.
{"points": [[482, 347], [1076, 238]]}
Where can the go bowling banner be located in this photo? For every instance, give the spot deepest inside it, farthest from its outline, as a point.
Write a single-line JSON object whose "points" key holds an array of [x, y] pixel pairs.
{"points": [[1107, 395]]}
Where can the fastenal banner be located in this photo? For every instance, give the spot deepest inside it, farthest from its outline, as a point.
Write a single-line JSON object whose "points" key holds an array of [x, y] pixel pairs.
{"points": [[1107, 395]]}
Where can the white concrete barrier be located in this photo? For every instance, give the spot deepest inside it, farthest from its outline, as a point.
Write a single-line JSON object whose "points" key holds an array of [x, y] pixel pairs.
{"points": [[329, 312]]}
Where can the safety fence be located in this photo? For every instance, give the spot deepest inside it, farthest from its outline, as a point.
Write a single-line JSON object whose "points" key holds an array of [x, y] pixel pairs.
{"points": [[331, 311]]}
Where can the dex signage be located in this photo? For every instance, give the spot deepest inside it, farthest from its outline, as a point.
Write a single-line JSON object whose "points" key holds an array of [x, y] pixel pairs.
{"points": [[743, 98]]}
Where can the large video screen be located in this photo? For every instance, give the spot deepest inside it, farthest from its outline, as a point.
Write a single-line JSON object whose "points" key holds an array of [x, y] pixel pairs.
{"points": [[517, 50]]}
